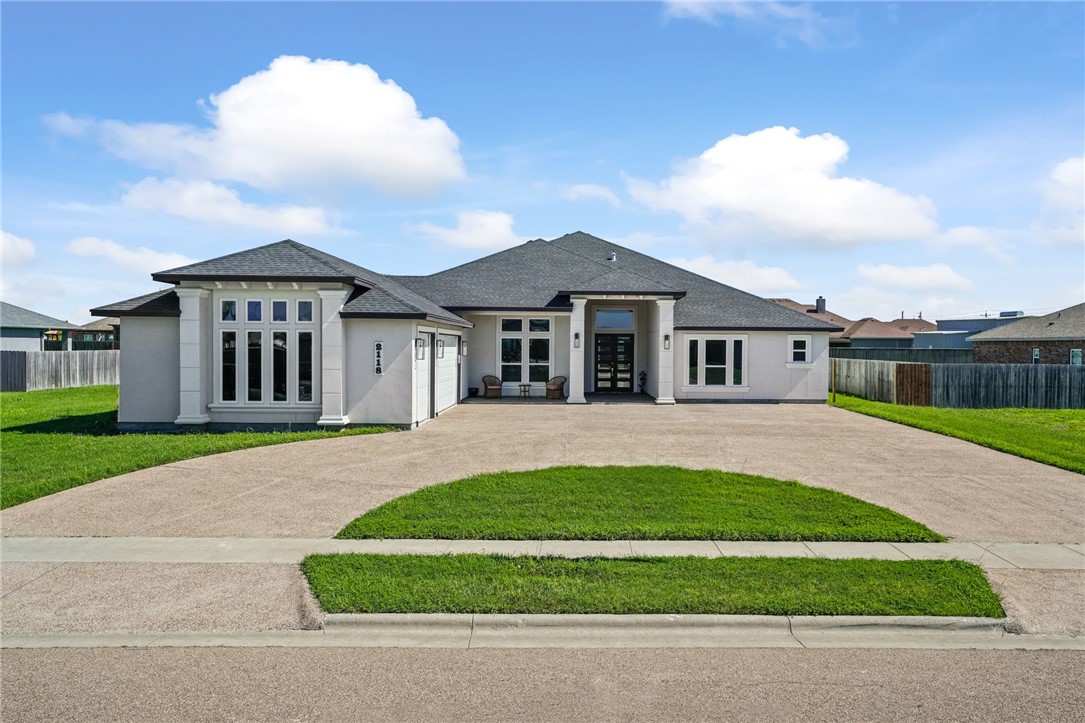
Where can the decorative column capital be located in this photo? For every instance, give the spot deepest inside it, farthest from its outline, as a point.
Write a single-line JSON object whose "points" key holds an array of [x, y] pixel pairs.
{"points": [[191, 292]]}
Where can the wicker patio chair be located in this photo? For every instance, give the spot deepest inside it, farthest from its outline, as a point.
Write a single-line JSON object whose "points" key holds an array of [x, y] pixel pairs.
{"points": [[555, 388], [491, 386]]}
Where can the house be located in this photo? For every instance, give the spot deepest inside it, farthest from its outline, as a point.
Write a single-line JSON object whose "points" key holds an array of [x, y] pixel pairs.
{"points": [[98, 334], [869, 333], [956, 333], [1057, 338], [25, 330], [285, 334], [913, 326], [818, 311]]}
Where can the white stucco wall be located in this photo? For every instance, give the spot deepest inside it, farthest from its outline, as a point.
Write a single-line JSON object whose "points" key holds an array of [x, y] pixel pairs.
{"points": [[20, 340], [150, 370], [387, 398], [768, 373]]}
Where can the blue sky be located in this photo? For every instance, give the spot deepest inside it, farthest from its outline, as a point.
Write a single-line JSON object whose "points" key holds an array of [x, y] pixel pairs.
{"points": [[893, 157]]}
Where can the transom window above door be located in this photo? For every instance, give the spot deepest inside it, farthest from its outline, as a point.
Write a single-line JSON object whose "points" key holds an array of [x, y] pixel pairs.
{"points": [[606, 319]]}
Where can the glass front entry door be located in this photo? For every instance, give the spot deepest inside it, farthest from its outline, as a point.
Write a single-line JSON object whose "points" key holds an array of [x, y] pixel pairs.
{"points": [[614, 363]]}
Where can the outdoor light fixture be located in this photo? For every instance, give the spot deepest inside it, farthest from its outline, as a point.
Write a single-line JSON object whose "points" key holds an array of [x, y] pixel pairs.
{"points": [[463, 348], [576, 340], [440, 348], [666, 341], [420, 348]]}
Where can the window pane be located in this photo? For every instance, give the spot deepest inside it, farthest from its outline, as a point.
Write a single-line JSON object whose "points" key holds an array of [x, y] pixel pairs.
{"points": [[305, 366], [538, 325], [715, 352], [798, 356], [229, 310], [511, 351], [538, 372], [229, 366], [715, 375], [538, 351], [305, 311], [613, 319], [511, 372], [278, 311], [693, 361], [254, 308], [255, 372], [512, 325], [798, 344], [278, 366], [736, 364]]}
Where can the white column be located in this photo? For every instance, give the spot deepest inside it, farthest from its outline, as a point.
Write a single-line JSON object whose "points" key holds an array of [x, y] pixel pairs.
{"points": [[665, 362], [578, 340], [331, 358], [192, 353]]}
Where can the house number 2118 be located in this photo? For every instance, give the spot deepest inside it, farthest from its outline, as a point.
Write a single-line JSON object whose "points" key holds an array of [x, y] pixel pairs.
{"points": [[378, 357]]}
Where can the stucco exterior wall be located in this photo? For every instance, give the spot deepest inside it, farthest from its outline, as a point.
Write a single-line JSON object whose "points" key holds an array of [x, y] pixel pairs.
{"points": [[768, 373], [387, 398], [1020, 352], [481, 350], [150, 371]]}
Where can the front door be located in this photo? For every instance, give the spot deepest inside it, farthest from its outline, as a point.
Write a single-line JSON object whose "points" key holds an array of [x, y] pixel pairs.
{"points": [[614, 363]]}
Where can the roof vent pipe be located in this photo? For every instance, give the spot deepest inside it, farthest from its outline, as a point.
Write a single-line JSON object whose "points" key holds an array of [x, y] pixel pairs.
{"points": [[613, 257], [820, 304]]}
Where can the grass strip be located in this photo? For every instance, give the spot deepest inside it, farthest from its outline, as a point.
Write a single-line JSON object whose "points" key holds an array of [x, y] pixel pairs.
{"points": [[1050, 436], [633, 503], [57, 439], [357, 583]]}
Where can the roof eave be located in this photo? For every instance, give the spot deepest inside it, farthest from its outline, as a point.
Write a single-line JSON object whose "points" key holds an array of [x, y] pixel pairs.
{"points": [[405, 315], [106, 311], [178, 278], [756, 328]]}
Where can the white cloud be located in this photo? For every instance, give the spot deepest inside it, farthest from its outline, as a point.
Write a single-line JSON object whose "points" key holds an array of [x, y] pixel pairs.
{"points": [[583, 191], [936, 277], [298, 123], [745, 275], [15, 251], [1063, 217], [142, 260], [987, 240], [776, 185], [880, 303], [785, 21], [211, 203], [485, 230]]}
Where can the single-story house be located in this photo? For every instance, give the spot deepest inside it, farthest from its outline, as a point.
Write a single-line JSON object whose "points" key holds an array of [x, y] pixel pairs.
{"points": [[818, 311], [25, 330], [1057, 338], [285, 334], [98, 334], [869, 333]]}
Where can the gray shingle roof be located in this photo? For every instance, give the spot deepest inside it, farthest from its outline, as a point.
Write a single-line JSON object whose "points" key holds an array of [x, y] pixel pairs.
{"points": [[531, 276], [16, 317], [1065, 324], [157, 303]]}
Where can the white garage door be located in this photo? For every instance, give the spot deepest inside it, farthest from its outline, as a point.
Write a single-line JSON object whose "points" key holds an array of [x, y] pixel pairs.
{"points": [[447, 368], [422, 372]]}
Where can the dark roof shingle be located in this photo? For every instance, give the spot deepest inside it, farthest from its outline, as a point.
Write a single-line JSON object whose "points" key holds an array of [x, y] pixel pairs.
{"points": [[12, 316]]}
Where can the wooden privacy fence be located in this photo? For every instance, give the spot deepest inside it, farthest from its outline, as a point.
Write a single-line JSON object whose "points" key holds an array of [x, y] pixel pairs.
{"points": [[972, 386], [928, 356], [29, 371]]}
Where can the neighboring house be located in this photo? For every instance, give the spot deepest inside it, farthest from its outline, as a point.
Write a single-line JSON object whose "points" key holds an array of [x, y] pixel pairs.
{"points": [[98, 334], [25, 330], [817, 311], [1058, 338], [869, 333], [913, 326], [287, 334], [956, 333]]}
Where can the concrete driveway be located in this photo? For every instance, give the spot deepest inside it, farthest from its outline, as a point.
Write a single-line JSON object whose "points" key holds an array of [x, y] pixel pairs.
{"points": [[312, 489]]}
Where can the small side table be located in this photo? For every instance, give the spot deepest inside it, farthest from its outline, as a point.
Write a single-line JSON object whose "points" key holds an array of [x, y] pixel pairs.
{"points": [[525, 390]]}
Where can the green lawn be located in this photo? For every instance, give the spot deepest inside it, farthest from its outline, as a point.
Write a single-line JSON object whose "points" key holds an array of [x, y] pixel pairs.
{"points": [[681, 585], [54, 440], [633, 503], [1051, 436]]}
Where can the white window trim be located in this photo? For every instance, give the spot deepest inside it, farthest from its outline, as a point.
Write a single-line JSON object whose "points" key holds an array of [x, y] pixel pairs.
{"points": [[271, 308], [237, 366], [220, 320], [791, 339], [730, 386], [254, 321], [1081, 357], [297, 311], [525, 336]]}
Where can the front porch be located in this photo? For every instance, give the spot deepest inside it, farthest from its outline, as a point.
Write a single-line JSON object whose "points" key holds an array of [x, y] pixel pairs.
{"points": [[589, 398]]}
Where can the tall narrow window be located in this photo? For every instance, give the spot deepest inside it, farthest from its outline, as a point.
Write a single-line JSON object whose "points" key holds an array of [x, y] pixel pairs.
{"points": [[229, 366], [538, 360], [736, 364], [305, 366], [715, 361], [255, 372], [512, 351], [278, 366], [694, 365]]}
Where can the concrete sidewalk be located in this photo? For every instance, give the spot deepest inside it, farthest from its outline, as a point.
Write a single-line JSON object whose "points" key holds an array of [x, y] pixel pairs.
{"points": [[990, 555]]}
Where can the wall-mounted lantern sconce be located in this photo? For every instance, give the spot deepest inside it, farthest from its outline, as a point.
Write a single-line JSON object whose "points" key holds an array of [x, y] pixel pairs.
{"points": [[666, 341], [420, 348], [576, 340], [463, 348], [440, 348]]}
